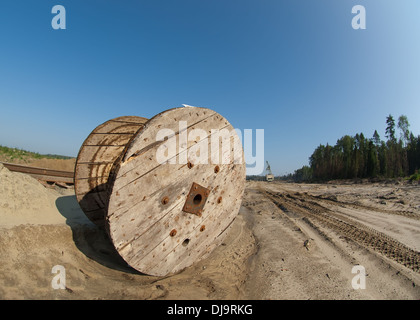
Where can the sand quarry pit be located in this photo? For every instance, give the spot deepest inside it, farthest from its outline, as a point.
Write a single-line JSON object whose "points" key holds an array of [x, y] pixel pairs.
{"points": [[289, 241]]}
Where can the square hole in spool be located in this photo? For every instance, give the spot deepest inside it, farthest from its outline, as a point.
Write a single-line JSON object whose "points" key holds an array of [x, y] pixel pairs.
{"points": [[196, 199]]}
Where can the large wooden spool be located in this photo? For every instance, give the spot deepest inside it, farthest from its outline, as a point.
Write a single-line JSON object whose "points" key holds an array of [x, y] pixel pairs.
{"points": [[166, 189]]}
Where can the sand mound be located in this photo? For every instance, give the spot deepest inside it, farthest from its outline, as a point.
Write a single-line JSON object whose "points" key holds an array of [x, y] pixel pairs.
{"points": [[23, 200]]}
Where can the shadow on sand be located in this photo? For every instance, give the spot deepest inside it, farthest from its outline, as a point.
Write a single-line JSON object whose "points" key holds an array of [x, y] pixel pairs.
{"points": [[91, 240]]}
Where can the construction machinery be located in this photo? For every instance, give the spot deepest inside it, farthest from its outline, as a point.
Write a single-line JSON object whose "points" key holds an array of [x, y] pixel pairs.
{"points": [[269, 176]]}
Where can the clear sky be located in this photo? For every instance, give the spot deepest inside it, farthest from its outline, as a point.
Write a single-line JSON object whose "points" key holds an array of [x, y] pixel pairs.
{"points": [[296, 69]]}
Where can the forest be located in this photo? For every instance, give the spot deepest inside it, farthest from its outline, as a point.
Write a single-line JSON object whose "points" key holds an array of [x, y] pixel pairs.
{"points": [[361, 157]]}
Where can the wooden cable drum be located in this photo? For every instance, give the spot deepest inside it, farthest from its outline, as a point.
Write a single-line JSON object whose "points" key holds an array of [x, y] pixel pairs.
{"points": [[171, 193]]}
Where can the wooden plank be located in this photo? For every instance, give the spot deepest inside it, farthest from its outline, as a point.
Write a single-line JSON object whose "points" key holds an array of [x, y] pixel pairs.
{"points": [[38, 171], [102, 139], [99, 153], [85, 186], [90, 170], [115, 127]]}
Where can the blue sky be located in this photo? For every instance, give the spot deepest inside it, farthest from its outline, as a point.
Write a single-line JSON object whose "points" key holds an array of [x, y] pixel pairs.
{"points": [[294, 68]]}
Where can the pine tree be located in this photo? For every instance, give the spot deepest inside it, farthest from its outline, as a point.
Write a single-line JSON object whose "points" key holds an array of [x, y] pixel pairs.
{"points": [[390, 129], [376, 139]]}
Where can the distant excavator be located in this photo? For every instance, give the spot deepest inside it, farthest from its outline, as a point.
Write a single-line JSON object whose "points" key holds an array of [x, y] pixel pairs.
{"points": [[269, 176]]}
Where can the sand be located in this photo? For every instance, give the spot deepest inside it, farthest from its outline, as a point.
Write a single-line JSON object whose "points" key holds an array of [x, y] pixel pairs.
{"points": [[42, 227], [289, 241], [304, 255], [23, 200]]}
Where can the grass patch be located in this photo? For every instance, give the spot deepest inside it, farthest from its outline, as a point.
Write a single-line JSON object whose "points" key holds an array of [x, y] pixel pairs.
{"points": [[10, 154]]}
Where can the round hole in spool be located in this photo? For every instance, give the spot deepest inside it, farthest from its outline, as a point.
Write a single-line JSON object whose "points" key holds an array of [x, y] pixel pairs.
{"points": [[186, 242], [197, 199]]}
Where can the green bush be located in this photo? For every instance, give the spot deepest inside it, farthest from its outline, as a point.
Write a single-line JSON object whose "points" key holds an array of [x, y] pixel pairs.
{"points": [[415, 177]]}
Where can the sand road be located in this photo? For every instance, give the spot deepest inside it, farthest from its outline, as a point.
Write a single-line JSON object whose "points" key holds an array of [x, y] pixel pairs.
{"points": [[323, 231]]}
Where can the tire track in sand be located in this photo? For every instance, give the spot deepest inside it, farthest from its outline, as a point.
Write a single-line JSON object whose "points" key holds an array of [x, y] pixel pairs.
{"points": [[305, 205]]}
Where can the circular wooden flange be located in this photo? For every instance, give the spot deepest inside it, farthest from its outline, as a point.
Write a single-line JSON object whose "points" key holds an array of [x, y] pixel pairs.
{"points": [[97, 155], [176, 190]]}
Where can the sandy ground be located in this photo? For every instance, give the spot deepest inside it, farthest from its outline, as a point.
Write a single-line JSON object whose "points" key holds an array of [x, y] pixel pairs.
{"points": [[289, 241], [311, 236]]}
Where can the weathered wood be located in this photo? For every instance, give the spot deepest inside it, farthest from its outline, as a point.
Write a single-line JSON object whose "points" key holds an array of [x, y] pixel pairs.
{"points": [[95, 160]]}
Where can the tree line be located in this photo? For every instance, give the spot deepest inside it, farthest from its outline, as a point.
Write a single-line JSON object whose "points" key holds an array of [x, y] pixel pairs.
{"points": [[361, 157]]}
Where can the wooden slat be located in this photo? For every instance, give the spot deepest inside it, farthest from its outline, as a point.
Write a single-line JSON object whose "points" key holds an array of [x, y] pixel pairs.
{"points": [[89, 170], [85, 186], [42, 173], [101, 139], [99, 153]]}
